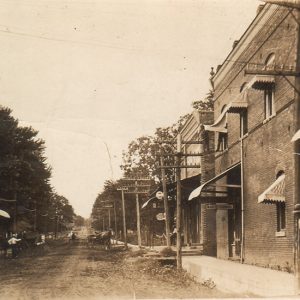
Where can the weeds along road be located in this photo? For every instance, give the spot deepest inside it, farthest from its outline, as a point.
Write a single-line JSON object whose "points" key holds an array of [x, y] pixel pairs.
{"points": [[66, 271]]}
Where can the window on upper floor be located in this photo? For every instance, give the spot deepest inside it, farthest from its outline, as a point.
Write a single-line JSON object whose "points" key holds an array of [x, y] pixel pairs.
{"points": [[223, 136], [269, 107], [243, 103], [280, 210], [243, 123], [275, 194], [266, 84]]}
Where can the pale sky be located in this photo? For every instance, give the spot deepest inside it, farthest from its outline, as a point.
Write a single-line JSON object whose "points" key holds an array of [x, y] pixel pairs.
{"points": [[91, 73]]}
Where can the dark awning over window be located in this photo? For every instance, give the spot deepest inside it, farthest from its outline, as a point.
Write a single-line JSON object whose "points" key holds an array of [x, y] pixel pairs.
{"points": [[262, 82], [240, 103], [275, 192], [197, 192]]}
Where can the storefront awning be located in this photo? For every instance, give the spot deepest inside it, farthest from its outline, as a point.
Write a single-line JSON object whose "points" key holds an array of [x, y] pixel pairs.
{"points": [[262, 82], [187, 185], [275, 192], [147, 202], [296, 136], [197, 192], [4, 214]]}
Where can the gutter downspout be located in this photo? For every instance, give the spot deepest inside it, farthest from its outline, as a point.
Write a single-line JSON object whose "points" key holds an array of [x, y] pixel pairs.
{"points": [[242, 202], [296, 149]]}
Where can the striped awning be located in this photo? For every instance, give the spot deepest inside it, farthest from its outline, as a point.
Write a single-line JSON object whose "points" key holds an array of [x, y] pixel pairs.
{"points": [[275, 192], [262, 82], [239, 104]]}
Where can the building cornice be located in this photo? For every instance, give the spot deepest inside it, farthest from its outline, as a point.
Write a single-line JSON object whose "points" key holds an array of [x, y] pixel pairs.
{"points": [[253, 30]]}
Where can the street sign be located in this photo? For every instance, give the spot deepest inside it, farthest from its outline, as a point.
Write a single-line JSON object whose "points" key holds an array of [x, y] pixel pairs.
{"points": [[159, 195], [108, 206]]}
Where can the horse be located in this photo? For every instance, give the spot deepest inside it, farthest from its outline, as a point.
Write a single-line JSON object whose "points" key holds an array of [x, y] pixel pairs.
{"points": [[103, 238]]}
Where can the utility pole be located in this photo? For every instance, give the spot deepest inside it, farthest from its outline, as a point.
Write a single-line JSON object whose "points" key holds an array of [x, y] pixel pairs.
{"points": [[124, 216], [115, 218], [109, 221], [138, 215], [15, 228], [35, 217], [178, 166], [178, 203], [166, 205]]}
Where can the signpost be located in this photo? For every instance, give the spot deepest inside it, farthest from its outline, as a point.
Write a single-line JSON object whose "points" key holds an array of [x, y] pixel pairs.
{"points": [[140, 187]]}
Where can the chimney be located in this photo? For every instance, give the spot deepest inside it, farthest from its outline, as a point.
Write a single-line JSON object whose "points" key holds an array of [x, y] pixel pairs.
{"points": [[260, 8], [235, 43]]}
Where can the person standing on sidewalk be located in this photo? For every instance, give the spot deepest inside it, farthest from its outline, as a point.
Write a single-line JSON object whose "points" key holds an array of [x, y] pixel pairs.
{"points": [[13, 243]]}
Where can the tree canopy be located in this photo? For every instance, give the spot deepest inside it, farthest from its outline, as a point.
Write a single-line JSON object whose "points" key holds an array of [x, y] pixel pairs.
{"points": [[25, 177]]}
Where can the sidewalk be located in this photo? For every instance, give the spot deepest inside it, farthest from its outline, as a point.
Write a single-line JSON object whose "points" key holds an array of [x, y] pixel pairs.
{"points": [[240, 278], [233, 276]]}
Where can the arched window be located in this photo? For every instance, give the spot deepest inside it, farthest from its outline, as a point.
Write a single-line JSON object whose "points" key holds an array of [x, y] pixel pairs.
{"points": [[243, 86], [270, 60]]}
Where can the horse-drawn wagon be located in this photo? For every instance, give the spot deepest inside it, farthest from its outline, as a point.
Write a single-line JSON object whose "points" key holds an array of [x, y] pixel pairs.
{"points": [[100, 238]]}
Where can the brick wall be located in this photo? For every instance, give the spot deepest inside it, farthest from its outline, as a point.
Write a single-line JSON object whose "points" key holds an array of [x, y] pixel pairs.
{"points": [[268, 147]]}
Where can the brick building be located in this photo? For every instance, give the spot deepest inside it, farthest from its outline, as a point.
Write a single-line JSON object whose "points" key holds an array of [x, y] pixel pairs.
{"points": [[192, 177], [252, 195]]}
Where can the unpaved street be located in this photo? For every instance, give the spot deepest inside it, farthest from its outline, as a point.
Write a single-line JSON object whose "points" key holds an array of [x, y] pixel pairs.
{"points": [[68, 271]]}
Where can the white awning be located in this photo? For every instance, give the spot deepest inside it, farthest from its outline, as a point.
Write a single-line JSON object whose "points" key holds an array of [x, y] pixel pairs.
{"points": [[262, 82], [4, 214], [235, 106], [275, 192], [148, 201], [220, 123], [296, 136], [197, 192]]}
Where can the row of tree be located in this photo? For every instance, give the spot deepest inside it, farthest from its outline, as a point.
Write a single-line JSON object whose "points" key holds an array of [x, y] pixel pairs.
{"points": [[25, 189], [140, 159]]}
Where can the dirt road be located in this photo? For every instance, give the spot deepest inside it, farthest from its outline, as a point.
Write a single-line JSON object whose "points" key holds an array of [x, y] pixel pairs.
{"points": [[66, 271]]}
